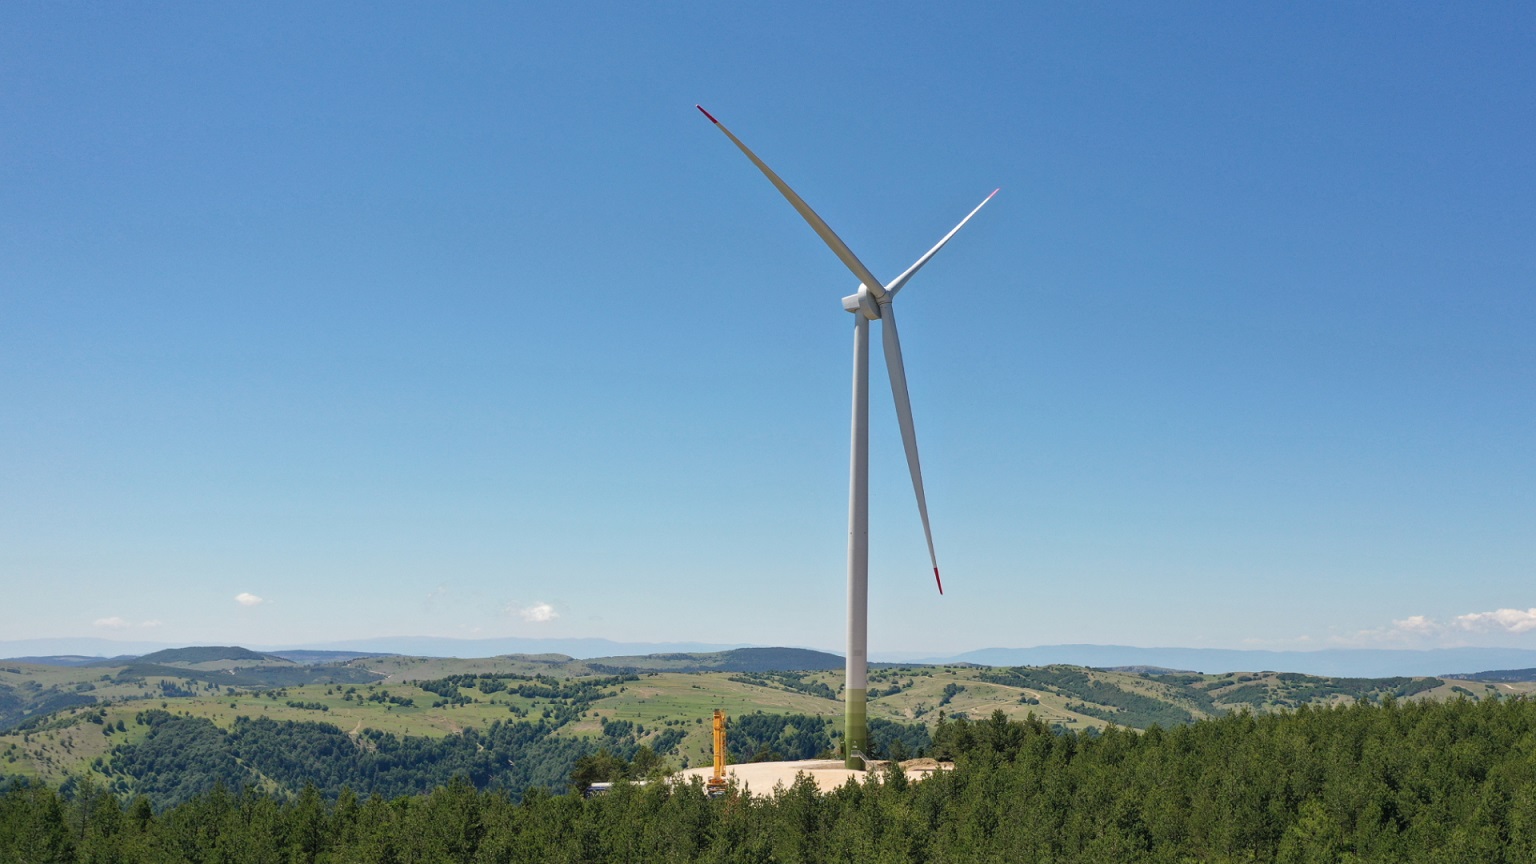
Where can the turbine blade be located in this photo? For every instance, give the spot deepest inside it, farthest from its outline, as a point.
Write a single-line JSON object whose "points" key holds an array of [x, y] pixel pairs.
{"points": [[828, 236], [908, 273], [898, 373]]}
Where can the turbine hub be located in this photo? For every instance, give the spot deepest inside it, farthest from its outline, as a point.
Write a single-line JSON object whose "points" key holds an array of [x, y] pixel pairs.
{"points": [[862, 303]]}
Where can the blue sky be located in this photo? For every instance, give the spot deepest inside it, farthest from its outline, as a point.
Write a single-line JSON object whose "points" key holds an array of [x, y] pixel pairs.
{"points": [[460, 321]]}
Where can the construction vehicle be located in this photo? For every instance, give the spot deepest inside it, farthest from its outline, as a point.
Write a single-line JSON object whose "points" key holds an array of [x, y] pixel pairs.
{"points": [[716, 785]]}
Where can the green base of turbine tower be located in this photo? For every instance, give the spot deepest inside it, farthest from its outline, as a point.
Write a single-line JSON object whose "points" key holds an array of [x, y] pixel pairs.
{"points": [[855, 730]]}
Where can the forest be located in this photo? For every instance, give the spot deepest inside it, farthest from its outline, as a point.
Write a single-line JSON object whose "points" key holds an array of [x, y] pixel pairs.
{"points": [[1391, 781], [182, 757]]}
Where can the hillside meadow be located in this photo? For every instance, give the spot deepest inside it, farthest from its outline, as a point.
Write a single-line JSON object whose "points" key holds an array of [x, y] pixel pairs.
{"points": [[1394, 781], [192, 718]]}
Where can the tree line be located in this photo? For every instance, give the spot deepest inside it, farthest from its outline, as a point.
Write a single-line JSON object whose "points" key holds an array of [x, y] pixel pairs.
{"points": [[1440, 782], [183, 757]]}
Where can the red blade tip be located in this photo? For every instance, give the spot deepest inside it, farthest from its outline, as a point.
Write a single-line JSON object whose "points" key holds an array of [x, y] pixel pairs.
{"points": [[707, 114], [938, 580]]}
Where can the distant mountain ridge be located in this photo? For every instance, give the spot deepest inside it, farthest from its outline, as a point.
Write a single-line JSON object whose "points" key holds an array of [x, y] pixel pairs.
{"points": [[735, 660], [72, 660], [309, 658], [208, 654], [1502, 675], [582, 648], [1339, 662], [1332, 662], [415, 646], [284, 675]]}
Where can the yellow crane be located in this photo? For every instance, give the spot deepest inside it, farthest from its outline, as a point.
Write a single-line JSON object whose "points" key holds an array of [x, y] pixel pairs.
{"points": [[716, 784]]}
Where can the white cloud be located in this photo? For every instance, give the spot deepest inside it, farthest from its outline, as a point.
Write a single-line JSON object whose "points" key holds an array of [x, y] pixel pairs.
{"points": [[1422, 629], [246, 598], [1414, 629], [538, 613], [118, 622], [1509, 620], [1415, 624]]}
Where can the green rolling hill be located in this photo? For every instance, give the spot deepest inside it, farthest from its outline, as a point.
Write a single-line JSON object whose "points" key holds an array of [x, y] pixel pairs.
{"points": [[396, 724]]}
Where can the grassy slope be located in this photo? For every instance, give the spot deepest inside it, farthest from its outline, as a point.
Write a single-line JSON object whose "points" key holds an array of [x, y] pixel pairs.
{"points": [[67, 742]]}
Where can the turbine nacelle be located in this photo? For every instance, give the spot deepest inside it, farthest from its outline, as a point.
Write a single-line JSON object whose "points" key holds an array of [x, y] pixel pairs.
{"points": [[864, 303]]}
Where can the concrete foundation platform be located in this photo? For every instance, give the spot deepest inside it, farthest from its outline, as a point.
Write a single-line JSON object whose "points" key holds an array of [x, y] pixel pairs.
{"points": [[760, 778]]}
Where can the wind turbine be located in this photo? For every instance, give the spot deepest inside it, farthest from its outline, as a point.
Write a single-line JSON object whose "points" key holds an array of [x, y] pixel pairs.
{"points": [[872, 302]]}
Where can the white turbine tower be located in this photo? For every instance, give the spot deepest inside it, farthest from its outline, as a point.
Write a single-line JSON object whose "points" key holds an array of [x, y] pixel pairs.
{"points": [[872, 302]]}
